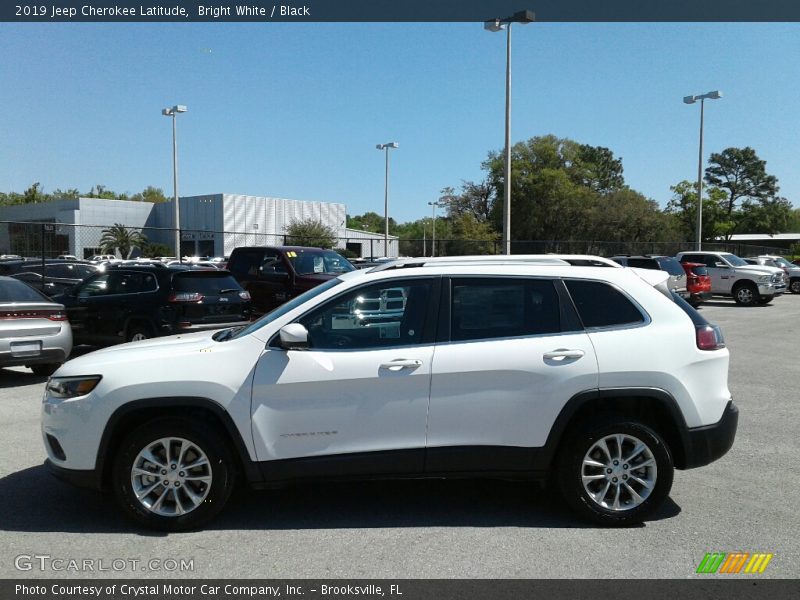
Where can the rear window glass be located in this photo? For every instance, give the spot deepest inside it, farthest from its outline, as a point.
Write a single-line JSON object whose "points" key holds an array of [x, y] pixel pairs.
{"points": [[670, 265], [245, 262], [643, 263], [204, 282], [700, 270], [601, 305], [16, 291]]}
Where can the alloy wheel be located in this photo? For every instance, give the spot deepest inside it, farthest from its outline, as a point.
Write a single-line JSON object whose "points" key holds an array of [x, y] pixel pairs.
{"points": [[171, 477], [619, 472]]}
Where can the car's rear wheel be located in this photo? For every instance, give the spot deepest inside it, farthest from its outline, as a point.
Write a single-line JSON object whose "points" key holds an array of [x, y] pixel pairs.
{"points": [[794, 286], [172, 474], [139, 331], [745, 294], [615, 473]]}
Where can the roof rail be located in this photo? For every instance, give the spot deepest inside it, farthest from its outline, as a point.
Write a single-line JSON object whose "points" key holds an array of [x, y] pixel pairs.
{"points": [[578, 260]]}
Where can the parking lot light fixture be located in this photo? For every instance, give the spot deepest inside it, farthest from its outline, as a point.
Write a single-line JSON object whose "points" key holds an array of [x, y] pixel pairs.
{"points": [[715, 95], [387, 146], [524, 17], [173, 112]]}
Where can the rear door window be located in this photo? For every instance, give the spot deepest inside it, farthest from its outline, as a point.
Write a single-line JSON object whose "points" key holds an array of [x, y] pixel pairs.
{"points": [[503, 307], [643, 263], [246, 262], [602, 305]]}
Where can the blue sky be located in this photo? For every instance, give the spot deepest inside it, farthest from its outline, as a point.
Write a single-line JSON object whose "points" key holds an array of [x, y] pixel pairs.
{"points": [[295, 110]]}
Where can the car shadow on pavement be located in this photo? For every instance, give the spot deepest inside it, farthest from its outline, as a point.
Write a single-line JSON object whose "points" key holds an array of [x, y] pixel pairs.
{"points": [[34, 501], [731, 304], [11, 379]]}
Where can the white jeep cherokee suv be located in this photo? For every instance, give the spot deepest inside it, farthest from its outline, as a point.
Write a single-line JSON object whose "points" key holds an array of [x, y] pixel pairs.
{"points": [[566, 368]]}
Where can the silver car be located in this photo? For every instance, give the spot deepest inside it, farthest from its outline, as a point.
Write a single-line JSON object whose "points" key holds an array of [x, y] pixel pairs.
{"points": [[34, 331]]}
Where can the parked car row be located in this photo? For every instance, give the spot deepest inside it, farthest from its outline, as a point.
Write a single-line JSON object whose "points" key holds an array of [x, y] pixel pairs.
{"points": [[697, 275]]}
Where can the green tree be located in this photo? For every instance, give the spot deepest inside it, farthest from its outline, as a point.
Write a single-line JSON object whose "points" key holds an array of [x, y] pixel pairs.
{"points": [[34, 194], [70, 194], [150, 194], [743, 176], [475, 199], [596, 167], [683, 206], [371, 221], [310, 232], [119, 237]]}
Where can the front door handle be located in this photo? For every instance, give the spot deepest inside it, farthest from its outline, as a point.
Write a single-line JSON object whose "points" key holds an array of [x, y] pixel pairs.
{"points": [[402, 363], [563, 354]]}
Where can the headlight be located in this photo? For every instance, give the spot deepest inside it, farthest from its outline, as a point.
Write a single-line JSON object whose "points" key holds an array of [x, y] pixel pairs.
{"points": [[763, 277], [71, 387]]}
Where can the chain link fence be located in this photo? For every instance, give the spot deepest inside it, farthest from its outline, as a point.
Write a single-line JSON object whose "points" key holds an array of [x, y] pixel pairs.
{"points": [[51, 240]]}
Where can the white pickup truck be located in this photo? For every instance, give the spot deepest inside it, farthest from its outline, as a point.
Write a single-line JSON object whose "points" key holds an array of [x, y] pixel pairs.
{"points": [[733, 276]]}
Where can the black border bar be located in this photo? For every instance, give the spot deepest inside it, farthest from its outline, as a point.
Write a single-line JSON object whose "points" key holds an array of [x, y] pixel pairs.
{"points": [[704, 587], [397, 10]]}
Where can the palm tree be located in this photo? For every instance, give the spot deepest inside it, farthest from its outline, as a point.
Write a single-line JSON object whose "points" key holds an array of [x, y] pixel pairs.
{"points": [[121, 238]]}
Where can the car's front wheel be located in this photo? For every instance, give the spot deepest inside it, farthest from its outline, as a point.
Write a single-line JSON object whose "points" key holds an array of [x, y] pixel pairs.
{"points": [[172, 474], [745, 294], [615, 473]]}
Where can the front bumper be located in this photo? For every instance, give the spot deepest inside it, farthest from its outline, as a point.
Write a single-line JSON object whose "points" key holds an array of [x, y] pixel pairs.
{"points": [[704, 445], [85, 479]]}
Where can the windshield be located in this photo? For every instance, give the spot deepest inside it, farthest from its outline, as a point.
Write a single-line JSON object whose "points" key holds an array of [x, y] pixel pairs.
{"points": [[309, 262], [734, 260], [285, 308]]}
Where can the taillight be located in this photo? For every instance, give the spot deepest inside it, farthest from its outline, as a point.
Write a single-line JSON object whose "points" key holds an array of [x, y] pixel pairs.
{"points": [[709, 337], [185, 297], [244, 295], [53, 315]]}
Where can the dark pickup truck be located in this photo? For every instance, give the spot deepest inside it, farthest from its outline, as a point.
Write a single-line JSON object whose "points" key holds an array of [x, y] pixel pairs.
{"points": [[275, 274]]}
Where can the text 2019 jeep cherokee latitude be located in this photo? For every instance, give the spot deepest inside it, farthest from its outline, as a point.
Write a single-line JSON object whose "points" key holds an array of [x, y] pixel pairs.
{"points": [[595, 377]]}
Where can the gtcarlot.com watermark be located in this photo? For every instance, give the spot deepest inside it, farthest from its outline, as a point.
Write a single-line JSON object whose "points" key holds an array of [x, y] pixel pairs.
{"points": [[61, 564]]}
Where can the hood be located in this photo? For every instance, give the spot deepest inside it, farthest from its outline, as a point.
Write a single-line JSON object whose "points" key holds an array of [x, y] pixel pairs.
{"points": [[759, 270], [133, 352]]}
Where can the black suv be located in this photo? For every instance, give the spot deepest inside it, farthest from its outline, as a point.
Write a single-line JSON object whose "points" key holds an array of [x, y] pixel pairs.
{"points": [[136, 302]]}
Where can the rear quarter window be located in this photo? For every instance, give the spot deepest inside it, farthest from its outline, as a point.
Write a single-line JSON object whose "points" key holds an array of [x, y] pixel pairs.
{"points": [[602, 305]]}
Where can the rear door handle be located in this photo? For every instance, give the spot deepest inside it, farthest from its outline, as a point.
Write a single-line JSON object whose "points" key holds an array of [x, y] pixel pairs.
{"points": [[402, 363], [563, 354]]}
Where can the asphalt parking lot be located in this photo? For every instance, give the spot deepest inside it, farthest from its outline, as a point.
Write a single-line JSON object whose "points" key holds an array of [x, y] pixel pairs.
{"points": [[748, 501]]}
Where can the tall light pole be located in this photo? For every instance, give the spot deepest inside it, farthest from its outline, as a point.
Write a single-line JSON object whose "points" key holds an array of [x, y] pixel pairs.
{"points": [[173, 112], [433, 206], [386, 147], [524, 17], [715, 95]]}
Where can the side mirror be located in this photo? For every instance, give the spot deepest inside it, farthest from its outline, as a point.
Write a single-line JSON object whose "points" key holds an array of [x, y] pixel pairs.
{"points": [[294, 336], [721, 265]]}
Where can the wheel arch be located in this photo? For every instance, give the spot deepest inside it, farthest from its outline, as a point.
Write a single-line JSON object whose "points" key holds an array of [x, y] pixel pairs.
{"points": [[133, 414], [653, 406]]}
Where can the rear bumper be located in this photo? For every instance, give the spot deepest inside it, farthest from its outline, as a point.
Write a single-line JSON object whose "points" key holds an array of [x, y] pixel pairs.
{"points": [[46, 356], [706, 444]]}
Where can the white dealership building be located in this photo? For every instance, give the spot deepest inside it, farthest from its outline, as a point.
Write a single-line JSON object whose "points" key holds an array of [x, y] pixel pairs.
{"points": [[211, 224]]}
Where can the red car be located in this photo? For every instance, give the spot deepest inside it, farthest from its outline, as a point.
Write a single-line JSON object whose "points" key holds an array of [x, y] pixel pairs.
{"points": [[698, 283]]}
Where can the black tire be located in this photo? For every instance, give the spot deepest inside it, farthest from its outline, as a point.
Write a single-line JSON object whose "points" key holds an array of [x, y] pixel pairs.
{"points": [[765, 299], [569, 473], [745, 294], [139, 332], [222, 464], [45, 370], [794, 285]]}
